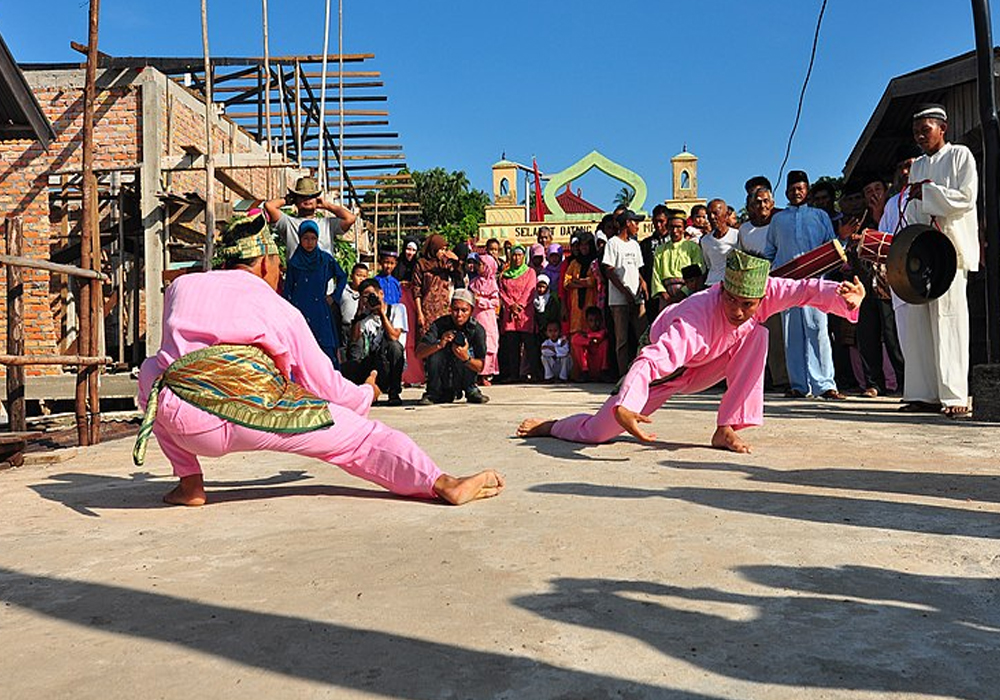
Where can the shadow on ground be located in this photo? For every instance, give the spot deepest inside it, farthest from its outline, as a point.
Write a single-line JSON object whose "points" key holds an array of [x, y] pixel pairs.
{"points": [[960, 487], [86, 493], [855, 628], [858, 512], [337, 655]]}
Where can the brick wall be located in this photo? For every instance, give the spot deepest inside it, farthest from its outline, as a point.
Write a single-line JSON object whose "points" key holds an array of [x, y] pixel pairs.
{"points": [[25, 168]]}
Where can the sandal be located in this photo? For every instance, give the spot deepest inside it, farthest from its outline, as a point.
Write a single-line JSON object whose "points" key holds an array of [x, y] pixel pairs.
{"points": [[957, 412], [920, 407]]}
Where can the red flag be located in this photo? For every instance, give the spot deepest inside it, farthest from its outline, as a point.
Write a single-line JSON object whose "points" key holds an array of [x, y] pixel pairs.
{"points": [[539, 212]]}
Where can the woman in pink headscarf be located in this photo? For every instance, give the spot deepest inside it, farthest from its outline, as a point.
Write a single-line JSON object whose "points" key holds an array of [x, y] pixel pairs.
{"points": [[487, 293]]}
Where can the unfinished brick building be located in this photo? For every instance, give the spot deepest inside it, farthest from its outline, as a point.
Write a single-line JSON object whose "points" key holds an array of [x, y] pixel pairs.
{"points": [[149, 132]]}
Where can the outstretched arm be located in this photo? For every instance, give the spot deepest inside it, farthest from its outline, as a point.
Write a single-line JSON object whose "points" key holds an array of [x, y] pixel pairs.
{"points": [[824, 295]]}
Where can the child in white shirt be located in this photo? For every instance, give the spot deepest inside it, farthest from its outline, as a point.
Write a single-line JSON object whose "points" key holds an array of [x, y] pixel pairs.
{"points": [[555, 353]]}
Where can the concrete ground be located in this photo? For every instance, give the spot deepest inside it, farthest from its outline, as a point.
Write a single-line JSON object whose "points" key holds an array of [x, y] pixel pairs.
{"points": [[854, 554]]}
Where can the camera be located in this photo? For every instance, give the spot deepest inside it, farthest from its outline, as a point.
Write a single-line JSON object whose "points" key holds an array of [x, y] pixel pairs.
{"points": [[372, 301], [459, 339]]}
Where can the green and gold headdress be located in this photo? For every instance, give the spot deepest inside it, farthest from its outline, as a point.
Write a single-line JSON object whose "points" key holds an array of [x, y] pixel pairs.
{"points": [[746, 275], [246, 238]]}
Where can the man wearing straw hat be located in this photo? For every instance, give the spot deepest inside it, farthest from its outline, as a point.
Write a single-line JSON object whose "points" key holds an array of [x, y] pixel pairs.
{"points": [[307, 199], [714, 335]]}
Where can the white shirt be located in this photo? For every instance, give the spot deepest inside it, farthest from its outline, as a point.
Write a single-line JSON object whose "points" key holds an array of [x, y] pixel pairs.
{"points": [[555, 348], [625, 257], [288, 226], [348, 309], [694, 233], [949, 197], [715, 250], [371, 326], [329, 229], [752, 239]]}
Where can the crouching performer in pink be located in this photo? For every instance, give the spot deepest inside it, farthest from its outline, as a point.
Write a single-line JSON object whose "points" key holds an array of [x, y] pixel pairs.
{"points": [[239, 371], [713, 335]]}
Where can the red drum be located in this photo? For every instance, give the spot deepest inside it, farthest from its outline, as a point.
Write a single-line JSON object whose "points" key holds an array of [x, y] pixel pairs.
{"points": [[874, 246], [813, 263]]}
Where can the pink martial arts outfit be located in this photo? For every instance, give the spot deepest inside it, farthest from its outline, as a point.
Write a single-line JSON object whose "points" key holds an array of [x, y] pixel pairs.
{"points": [[237, 307], [695, 341]]}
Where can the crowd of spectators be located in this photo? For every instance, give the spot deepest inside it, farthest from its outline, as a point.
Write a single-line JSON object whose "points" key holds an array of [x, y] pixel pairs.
{"points": [[459, 318]]}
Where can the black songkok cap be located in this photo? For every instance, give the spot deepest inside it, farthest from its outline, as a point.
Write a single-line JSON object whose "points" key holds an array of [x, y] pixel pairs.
{"points": [[796, 176], [931, 110], [758, 181]]}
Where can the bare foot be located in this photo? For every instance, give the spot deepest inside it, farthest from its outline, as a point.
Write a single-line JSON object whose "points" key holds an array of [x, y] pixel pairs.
{"points": [[189, 492], [725, 438], [458, 490], [535, 427], [630, 420]]}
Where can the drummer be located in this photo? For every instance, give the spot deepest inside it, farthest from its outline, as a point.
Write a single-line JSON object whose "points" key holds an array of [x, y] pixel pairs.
{"points": [[793, 231], [718, 334]]}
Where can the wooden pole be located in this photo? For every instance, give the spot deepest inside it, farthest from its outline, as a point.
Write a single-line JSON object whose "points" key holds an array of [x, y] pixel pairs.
{"points": [[209, 159], [322, 102], [90, 299], [12, 360], [267, 96], [71, 270], [298, 112], [15, 330]]}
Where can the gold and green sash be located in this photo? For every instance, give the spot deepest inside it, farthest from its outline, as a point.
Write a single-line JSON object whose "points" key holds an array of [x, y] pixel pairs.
{"points": [[240, 384]]}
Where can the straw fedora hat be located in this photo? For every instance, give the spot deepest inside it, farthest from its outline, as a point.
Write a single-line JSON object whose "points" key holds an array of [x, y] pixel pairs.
{"points": [[306, 187]]}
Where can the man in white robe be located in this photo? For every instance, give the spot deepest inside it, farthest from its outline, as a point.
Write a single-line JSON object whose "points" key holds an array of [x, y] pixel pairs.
{"points": [[942, 193]]}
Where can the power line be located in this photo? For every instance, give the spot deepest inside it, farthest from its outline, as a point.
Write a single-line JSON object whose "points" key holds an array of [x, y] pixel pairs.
{"points": [[802, 95]]}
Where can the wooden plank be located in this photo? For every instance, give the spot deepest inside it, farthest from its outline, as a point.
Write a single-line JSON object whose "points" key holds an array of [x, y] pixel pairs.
{"points": [[75, 360], [329, 112], [13, 261], [15, 329], [329, 86]]}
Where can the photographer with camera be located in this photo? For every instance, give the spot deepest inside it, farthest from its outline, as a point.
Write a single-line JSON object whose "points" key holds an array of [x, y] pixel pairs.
{"points": [[377, 337], [453, 350]]}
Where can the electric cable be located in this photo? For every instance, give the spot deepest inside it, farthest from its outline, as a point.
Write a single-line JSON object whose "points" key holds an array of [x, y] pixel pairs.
{"points": [[802, 94]]}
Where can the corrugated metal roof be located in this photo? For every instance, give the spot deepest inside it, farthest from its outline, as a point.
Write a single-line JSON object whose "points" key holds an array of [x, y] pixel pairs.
{"points": [[21, 116]]}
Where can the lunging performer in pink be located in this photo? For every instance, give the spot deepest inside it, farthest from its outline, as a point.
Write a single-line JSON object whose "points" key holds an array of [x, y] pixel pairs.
{"points": [[240, 371], [713, 335]]}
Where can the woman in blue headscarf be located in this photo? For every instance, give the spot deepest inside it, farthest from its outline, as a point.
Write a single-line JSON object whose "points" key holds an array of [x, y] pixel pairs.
{"points": [[307, 283]]}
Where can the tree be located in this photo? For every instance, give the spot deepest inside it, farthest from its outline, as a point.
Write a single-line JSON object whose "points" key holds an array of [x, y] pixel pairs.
{"points": [[624, 196]]}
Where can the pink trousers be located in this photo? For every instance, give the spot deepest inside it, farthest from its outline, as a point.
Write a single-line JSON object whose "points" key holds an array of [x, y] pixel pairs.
{"points": [[742, 405], [364, 448]]}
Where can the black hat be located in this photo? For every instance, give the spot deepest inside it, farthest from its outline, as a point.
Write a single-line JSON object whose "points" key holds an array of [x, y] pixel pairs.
{"points": [[906, 151], [757, 181], [368, 284], [628, 215], [690, 271], [869, 177], [795, 176]]}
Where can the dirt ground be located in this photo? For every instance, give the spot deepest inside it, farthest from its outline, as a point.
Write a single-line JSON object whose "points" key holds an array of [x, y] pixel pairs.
{"points": [[854, 554]]}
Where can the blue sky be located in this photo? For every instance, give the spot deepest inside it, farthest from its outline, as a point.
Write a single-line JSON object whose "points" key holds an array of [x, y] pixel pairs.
{"points": [[635, 80]]}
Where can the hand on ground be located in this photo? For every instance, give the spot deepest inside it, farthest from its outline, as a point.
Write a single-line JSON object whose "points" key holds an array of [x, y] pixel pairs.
{"points": [[630, 420]]}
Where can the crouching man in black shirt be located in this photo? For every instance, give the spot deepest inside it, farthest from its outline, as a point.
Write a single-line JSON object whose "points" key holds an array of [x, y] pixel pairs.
{"points": [[453, 350]]}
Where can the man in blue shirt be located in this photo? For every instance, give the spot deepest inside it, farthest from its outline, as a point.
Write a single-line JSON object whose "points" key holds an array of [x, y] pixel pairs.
{"points": [[793, 231]]}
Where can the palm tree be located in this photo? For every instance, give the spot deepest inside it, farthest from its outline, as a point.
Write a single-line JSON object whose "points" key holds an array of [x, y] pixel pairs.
{"points": [[624, 196]]}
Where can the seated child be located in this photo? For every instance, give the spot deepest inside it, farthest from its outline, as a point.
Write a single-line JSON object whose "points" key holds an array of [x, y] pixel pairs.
{"points": [[694, 279], [555, 353], [589, 349]]}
